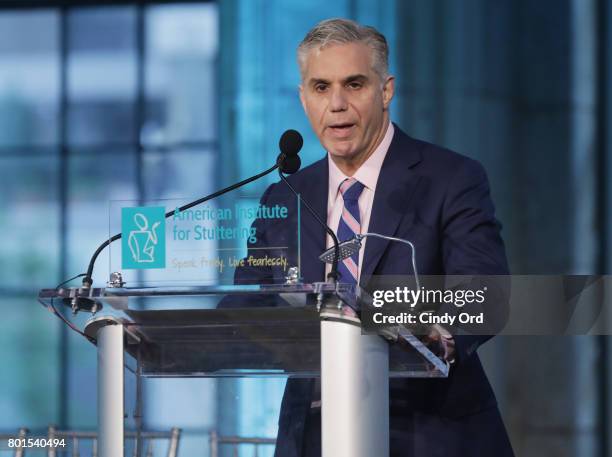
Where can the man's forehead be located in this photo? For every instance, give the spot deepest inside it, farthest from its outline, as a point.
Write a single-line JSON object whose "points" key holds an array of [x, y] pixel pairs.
{"points": [[356, 48], [338, 60]]}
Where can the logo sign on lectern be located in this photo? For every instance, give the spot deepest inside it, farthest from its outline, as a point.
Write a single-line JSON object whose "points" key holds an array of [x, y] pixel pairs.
{"points": [[143, 237], [204, 244]]}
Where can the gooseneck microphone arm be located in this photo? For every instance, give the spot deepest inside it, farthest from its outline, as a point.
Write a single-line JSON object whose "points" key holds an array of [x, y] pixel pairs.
{"points": [[333, 274], [88, 281], [398, 240], [290, 143], [353, 245]]}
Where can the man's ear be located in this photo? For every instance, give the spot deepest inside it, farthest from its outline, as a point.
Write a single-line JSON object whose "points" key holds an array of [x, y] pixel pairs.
{"points": [[301, 88], [388, 91]]}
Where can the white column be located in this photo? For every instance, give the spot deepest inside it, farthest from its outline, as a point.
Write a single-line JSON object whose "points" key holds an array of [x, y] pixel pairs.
{"points": [[354, 390], [110, 390]]}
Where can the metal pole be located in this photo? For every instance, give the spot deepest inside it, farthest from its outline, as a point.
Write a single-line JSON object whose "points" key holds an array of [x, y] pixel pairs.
{"points": [[19, 451], [110, 390], [51, 433], [354, 390], [214, 445]]}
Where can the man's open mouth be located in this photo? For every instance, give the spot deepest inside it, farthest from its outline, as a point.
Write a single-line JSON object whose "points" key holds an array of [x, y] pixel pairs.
{"points": [[341, 129]]}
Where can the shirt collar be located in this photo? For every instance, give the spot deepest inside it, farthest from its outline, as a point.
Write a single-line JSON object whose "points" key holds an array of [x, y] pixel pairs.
{"points": [[368, 172]]}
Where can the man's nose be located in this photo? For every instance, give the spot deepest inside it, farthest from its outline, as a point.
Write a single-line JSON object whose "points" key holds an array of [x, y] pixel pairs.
{"points": [[338, 100]]}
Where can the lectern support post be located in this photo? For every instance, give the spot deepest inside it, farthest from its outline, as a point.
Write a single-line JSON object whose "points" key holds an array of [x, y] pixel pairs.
{"points": [[110, 390], [354, 390]]}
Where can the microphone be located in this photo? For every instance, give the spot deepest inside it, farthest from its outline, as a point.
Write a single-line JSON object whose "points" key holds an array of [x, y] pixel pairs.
{"points": [[290, 165], [290, 144]]}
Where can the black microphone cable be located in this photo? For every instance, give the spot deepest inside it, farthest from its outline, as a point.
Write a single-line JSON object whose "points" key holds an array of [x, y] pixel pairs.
{"points": [[333, 274]]}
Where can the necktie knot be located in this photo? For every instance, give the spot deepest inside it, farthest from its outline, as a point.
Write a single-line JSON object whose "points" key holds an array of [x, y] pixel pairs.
{"points": [[351, 189]]}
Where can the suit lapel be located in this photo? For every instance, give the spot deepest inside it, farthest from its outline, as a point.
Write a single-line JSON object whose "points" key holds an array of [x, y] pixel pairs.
{"points": [[392, 198], [314, 192]]}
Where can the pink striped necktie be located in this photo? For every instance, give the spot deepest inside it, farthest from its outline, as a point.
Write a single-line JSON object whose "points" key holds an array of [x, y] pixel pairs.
{"points": [[349, 226]]}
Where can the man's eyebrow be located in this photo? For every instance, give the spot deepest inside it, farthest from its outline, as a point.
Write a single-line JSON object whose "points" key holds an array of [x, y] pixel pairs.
{"points": [[349, 79], [356, 78], [315, 81]]}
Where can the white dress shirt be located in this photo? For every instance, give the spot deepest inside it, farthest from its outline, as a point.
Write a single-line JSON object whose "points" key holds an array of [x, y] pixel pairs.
{"points": [[367, 174]]}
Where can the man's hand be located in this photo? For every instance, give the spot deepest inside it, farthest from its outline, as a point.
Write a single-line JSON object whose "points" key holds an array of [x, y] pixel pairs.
{"points": [[441, 342]]}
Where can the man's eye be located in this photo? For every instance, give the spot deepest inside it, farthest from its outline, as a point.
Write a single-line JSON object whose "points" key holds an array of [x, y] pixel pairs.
{"points": [[354, 85], [320, 87]]}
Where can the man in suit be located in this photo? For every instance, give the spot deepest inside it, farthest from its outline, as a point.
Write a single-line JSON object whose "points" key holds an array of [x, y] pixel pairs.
{"points": [[375, 178]]}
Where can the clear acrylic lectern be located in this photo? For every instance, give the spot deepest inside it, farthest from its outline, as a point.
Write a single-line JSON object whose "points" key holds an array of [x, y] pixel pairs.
{"points": [[292, 330]]}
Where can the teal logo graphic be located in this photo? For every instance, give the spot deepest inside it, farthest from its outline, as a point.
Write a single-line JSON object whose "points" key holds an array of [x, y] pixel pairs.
{"points": [[143, 237]]}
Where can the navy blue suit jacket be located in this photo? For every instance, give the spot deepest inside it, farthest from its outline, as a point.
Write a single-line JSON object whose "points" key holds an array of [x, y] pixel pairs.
{"points": [[440, 201]]}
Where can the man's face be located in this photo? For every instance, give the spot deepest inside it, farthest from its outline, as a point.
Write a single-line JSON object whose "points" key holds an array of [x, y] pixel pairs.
{"points": [[345, 101]]}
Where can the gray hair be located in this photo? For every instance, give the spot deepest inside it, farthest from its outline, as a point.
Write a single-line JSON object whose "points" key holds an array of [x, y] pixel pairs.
{"points": [[344, 31]]}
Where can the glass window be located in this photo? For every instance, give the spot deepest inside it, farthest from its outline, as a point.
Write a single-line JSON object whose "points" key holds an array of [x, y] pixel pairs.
{"points": [[181, 44], [29, 78], [179, 173], [101, 75], [95, 180], [50, 182], [29, 221]]}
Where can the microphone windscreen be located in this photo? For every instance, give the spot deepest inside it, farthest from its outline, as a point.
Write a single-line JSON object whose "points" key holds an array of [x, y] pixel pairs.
{"points": [[291, 142], [290, 164]]}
